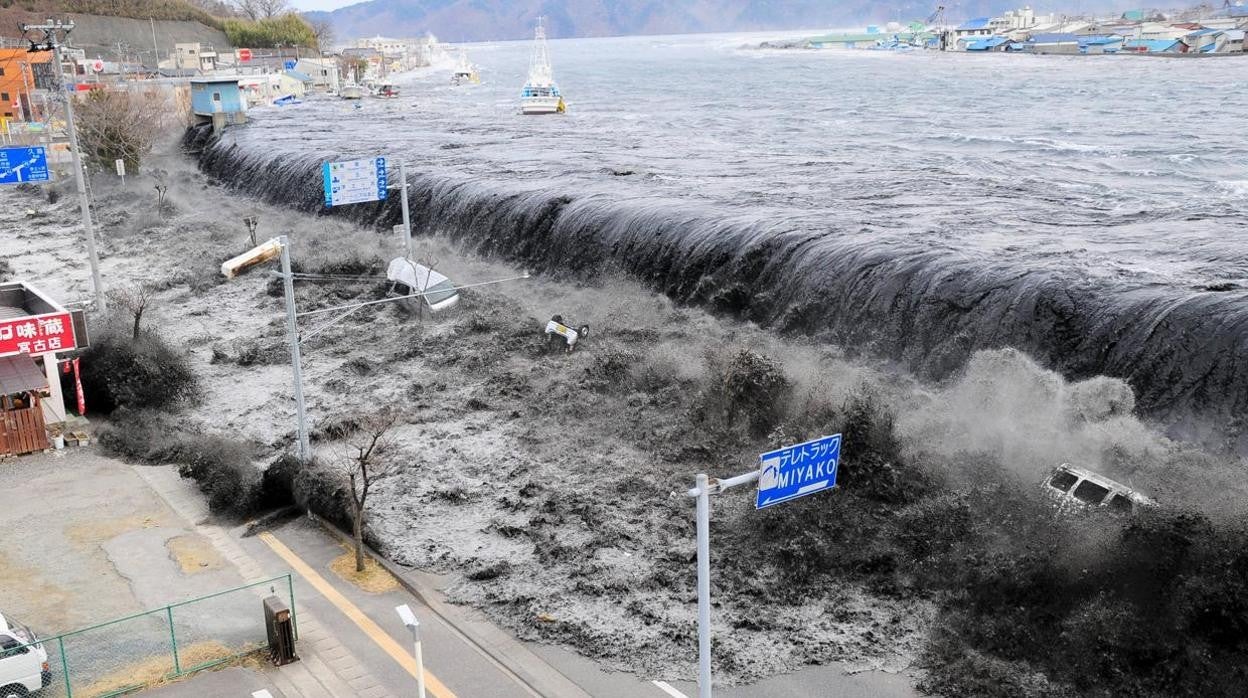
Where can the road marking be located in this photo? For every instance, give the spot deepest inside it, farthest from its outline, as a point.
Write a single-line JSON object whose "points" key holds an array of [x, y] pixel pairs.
{"points": [[667, 688], [350, 610]]}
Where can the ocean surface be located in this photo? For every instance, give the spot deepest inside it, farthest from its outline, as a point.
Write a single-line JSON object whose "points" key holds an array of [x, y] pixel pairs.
{"points": [[1092, 211]]}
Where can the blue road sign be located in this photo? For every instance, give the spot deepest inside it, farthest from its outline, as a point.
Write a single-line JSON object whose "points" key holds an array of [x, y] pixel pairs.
{"points": [[796, 471], [290, 65], [354, 181], [24, 164]]}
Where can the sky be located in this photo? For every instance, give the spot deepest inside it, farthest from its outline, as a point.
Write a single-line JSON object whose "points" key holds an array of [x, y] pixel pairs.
{"points": [[306, 5]]}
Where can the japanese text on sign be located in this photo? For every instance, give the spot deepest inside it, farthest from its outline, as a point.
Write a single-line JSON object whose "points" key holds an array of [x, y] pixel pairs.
{"points": [[795, 471], [38, 334], [354, 181]]}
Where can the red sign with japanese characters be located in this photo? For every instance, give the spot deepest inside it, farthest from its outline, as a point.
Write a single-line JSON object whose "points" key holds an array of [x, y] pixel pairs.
{"points": [[37, 334]]}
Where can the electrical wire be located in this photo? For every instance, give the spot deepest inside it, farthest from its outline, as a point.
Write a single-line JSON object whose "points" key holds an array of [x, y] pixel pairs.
{"points": [[322, 311]]}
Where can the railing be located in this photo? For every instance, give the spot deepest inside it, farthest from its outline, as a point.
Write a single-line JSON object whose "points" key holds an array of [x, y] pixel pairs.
{"points": [[149, 648]]}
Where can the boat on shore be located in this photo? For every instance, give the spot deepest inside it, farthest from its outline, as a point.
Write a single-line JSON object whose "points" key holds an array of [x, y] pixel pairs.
{"points": [[541, 95]]}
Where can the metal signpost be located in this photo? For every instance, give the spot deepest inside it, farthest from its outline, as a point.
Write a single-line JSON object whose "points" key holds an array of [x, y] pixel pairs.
{"points": [[360, 181], [24, 164], [783, 474]]}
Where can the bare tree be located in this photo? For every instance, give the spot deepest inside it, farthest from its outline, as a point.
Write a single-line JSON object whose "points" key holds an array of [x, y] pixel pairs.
{"points": [[134, 300], [119, 125], [323, 30], [262, 9], [366, 460], [162, 187]]}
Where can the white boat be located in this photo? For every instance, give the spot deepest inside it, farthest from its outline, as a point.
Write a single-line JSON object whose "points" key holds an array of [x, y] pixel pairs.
{"points": [[351, 92], [465, 72], [541, 94]]}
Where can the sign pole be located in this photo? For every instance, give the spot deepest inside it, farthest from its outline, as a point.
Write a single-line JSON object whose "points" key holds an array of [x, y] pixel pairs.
{"points": [[292, 333], [704, 586], [782, 475], [52, 31], [407, 223]]}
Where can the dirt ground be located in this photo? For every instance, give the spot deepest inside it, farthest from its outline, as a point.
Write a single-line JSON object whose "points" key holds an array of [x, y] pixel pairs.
{"points": [[553, 482]]}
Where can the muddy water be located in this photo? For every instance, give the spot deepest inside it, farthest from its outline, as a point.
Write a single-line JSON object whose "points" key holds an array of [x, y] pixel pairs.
{"points": [[1087, 210]]}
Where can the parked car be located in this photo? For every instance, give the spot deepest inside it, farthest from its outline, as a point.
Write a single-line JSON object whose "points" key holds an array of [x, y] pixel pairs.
{"points": [[23, 661], [1076, 487]]}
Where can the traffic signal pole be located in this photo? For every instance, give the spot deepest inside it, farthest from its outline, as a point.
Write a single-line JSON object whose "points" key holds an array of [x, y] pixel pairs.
{"points": [[54, 33]]}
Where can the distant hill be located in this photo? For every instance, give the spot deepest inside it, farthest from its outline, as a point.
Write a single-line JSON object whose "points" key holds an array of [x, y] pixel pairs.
{"points": [[482, 20]]}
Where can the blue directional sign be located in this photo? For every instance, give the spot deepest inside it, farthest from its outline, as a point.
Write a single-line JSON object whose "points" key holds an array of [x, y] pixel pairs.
{"points": [[290, 65], [796, 471], [354, 181], [24, 164]]}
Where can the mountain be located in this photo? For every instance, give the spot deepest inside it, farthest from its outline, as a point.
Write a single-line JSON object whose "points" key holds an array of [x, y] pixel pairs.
{"points": [[483, 20]]}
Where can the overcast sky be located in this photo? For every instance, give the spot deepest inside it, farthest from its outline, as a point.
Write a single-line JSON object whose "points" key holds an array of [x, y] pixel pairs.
{"points": [[306, 5]]}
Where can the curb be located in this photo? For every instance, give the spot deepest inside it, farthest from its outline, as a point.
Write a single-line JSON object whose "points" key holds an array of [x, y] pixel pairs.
{"points": [[501, 649]]}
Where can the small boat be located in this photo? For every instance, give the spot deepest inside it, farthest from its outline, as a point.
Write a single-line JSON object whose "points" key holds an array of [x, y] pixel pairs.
{"points": [[387, 89], [541, 95], [351, 91], [465, 72]]}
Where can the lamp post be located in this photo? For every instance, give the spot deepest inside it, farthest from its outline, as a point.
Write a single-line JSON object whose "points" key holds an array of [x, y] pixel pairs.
{"points": [[409, 619]]}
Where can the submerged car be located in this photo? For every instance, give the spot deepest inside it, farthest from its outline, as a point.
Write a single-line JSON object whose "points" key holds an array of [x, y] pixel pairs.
{"points": [[1070, 486]]}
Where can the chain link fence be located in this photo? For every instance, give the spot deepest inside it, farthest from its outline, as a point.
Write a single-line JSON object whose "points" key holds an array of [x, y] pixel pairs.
{"points": [[145, 649]]}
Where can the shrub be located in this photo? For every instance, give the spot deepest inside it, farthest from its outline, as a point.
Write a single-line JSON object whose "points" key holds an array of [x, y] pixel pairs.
{"points": [[746, 386], [118, 371], [223, 468]]}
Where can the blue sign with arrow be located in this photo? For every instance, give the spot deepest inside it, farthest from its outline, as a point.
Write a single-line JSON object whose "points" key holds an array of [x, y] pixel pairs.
{"points": [[24, 164], [354, 181], [796, 471]]}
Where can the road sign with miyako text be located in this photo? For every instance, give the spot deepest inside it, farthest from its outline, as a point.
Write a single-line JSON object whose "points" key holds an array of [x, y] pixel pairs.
{"points": [[37, 334], [354, 181], [796, 471]]}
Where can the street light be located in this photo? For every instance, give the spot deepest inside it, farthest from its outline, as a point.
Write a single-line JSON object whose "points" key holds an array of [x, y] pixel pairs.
{"points": [[409, 619]]}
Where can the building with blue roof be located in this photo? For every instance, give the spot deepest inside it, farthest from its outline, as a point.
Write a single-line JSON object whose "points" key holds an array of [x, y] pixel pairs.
{"points": [[1151, 46], [991, 43], [981, 26]]}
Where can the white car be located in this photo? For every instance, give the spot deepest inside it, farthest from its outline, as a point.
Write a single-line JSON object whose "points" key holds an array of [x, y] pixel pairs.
{"points": [[23, 661], [1077, 487]]}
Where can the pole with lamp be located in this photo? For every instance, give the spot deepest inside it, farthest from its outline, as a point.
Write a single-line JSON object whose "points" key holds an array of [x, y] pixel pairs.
{"points": [[409, 619]]}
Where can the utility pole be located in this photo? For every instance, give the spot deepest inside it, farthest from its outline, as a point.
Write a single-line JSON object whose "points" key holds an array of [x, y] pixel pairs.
{"points": [[292, 333], [54, 34], [155, 46], [407, 221]]}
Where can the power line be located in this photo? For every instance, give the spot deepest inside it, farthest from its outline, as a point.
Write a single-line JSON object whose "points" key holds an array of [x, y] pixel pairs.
{"points": [[54, 34]]}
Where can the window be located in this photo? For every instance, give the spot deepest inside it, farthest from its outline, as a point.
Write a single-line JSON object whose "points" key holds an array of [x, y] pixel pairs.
{"points": [[1120, 504], [1090, 492], [10, 647], [1, 72], [1062, 480], [4, 97], [216, 96]]}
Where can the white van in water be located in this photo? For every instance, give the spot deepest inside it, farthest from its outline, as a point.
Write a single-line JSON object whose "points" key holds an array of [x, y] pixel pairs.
{"points": [[23, 661], [1076, 487]]}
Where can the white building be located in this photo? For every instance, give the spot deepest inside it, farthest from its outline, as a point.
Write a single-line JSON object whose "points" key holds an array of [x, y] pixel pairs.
{"points": [[323, 71], [194, 56]]}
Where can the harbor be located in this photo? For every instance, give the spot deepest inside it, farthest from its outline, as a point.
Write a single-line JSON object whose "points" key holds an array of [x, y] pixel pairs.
{"points": [[1199, 32]]}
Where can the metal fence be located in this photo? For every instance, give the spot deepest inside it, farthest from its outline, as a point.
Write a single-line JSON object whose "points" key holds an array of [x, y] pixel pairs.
{"points": [[149, 648]]}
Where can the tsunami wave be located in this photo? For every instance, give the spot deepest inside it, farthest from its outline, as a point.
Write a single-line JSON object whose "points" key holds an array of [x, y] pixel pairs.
{"points": [[925, 305]]}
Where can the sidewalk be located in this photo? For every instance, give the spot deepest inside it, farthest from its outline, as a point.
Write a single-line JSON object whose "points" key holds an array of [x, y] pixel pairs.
{"points": [[326, 666]]}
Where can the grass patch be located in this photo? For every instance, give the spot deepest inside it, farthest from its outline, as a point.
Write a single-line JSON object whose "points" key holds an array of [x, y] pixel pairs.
{"points": [[158, 671], [374, 579], [194, 554]]}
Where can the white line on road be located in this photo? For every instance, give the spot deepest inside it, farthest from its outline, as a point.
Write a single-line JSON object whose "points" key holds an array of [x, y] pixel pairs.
{"points": [[667, 688]]}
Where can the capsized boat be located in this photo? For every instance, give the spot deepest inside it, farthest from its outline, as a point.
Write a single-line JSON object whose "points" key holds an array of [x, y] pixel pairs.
{"points": [[541, 95]]}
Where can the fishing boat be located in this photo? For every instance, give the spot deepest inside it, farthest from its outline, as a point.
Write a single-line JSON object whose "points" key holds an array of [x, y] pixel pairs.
{"points": [[387, 89], [465, 72], [541, 94]]}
